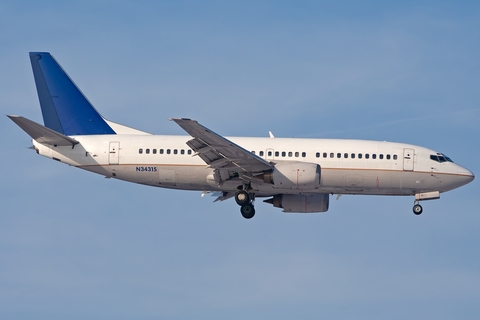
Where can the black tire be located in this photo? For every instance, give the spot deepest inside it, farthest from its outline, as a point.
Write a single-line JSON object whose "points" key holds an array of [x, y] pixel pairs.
{"points": [[417, 209], [248, 211], [242, 198]]}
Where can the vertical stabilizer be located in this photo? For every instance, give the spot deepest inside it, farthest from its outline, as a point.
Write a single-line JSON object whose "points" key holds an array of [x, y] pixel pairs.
{"points": [[64, 107]]}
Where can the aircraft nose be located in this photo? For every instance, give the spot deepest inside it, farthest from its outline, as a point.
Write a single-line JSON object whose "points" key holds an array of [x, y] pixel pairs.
{"points": [[464, 176]]}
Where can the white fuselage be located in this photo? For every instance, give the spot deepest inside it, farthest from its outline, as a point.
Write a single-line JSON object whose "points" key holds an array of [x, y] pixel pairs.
{"points": [[297, 175], [347, 166]]}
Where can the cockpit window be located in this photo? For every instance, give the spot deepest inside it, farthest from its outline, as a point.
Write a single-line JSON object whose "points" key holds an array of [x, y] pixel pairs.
{"points": [[440, 157], [447, 158]]}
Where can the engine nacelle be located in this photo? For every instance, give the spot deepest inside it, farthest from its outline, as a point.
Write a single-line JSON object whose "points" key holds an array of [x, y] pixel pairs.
{"points": [[294, 175], [301, 203]]}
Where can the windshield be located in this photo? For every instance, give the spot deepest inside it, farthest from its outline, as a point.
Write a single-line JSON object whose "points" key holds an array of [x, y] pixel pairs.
{"points": [[440, 157]]}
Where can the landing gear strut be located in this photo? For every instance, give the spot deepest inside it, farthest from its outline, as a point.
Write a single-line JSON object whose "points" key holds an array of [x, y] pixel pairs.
{"points": [[417, 209], [244, 200]]}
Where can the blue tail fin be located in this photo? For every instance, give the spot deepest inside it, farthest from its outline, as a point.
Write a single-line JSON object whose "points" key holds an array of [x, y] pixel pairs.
{"points": [[64, 108]]}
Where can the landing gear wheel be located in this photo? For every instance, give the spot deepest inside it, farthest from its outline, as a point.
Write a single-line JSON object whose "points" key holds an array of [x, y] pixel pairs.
{"points": [[248, 211], [417, 209], [242, 198]]}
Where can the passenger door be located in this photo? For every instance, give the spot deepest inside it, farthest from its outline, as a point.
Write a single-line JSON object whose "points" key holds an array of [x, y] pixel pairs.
{"points": [[408, 159], [113, 152]]}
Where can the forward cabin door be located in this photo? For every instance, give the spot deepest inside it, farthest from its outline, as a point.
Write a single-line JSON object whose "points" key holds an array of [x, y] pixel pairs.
{"points": [[408, 159], [113, 152]]}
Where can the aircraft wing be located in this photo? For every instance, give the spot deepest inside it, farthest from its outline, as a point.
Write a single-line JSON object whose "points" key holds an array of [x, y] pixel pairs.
{"points": [[220, 153]]}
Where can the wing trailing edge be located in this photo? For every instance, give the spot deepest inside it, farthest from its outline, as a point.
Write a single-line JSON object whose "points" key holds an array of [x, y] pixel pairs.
{"points": [[219, 152]]}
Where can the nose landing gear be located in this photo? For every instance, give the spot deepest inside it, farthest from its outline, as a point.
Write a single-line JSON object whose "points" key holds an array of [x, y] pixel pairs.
{"points": [[417, 209]]}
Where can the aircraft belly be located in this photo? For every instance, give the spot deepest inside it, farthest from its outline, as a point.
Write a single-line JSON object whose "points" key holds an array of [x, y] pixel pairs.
{"points": [[193, 178], [382, 182], [98, 169], [368, 182], [175, 177]]}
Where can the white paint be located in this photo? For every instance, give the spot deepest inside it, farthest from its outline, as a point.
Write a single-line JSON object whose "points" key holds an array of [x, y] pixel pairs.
{"points": [[409, 174]]}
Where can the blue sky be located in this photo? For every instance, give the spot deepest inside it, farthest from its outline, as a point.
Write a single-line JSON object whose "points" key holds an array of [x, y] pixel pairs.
{"points": [[76, 245]]}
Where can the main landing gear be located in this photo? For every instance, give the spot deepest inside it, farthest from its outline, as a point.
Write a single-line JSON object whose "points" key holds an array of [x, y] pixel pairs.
{"points": [[417, 208], [244, 200]]}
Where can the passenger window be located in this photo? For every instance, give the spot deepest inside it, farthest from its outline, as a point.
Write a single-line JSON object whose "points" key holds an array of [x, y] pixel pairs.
{"points": [[394, 157], [253, 152], [297, 154], [380, 156], [339, 155], [388, 157], [374, 156], [189, 151], [175, 151], [367, 156], [161, 151], [290, 153], [324, 154], [147, 151], [269, 153], [168, 151], [182, 151], [317, 154], [140, 151], [353, 155], [284, 153], [345, 155], [331, 155], [359, 156], [261, 153], [154, 151], [304, 154], [277, 153]]}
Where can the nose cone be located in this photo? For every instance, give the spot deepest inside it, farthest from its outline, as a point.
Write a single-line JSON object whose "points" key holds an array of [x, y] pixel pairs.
{"points": [[464, 176]]}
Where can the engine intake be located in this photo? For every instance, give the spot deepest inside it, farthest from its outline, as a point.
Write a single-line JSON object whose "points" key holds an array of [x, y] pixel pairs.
{"points": [[294, 175]]}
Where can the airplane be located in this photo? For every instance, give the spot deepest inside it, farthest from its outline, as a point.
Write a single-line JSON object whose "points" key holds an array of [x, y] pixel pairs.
{"points": [[297, 175]]}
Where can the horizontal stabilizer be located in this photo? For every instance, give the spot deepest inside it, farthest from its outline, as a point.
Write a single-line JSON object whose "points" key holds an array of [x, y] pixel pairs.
{"points": [[42, 134]]}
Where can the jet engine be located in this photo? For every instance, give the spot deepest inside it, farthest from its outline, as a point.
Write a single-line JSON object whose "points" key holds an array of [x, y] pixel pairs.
{"points": [[301, 203], [294, 175]]}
